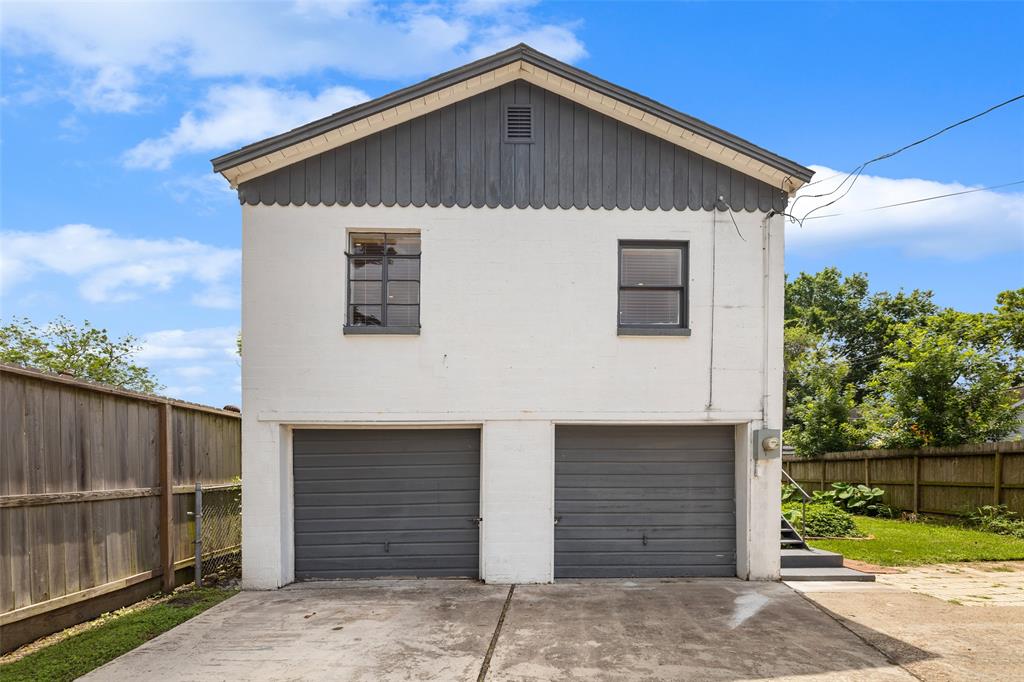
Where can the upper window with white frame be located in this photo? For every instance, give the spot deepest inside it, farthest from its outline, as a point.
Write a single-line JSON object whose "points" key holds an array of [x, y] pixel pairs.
{"points": [[383, 283], [652, 288]]}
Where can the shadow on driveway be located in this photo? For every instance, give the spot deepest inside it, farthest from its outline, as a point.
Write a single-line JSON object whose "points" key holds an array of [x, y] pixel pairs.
{"points": [[441, 630]]}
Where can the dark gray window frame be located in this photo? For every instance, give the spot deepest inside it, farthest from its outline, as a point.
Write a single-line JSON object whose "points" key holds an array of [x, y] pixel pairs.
{"points": [[504, 124], [352, 329], [649, 329]]}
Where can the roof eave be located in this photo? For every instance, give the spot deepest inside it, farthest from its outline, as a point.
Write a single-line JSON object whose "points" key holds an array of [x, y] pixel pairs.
{"points": [[525, 53]]}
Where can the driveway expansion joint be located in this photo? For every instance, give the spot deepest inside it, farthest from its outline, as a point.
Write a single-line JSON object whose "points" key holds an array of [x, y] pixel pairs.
{"points": [[494, 637]]}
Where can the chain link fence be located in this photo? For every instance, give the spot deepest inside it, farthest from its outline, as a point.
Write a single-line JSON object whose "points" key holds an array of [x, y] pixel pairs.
{"points": [[218, 533]]}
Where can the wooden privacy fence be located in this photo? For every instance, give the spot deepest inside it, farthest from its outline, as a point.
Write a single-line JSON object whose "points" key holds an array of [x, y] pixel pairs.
{"points": [[949, 480], [96, 486]]}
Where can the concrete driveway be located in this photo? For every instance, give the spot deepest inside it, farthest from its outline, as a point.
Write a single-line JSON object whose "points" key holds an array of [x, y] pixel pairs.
{"points": [[449, 630]]}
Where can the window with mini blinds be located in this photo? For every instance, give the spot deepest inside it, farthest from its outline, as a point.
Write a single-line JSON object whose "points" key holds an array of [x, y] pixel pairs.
{"points": [[652, 287], [384, 281]]}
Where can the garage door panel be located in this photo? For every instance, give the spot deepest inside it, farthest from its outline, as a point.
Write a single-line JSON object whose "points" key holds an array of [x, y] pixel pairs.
{"points": [[386, 485], [397, 440], [392, 550], [436, 523], [676, 481], [654, 545], [646, 520], [644, 501], [643, 455], [646, 506], [375, 459], [630, 468], [386, 503], [318, 538], [673, 571], [568, 534], [640, 437], [389, 498], [394, 511], [667, 493], [340, 471]]}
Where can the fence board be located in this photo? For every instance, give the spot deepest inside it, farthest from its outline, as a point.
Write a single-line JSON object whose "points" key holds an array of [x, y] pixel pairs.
{"points": [[951, 481], [80, 488]]}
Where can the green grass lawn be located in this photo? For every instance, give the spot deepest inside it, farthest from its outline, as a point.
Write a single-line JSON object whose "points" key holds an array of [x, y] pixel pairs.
{"points": [[901, 543], [118, 633]]}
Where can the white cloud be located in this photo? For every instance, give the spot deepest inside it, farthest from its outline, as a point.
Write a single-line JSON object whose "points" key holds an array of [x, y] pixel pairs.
{"points": [[210, 343], [110, 268], [201, 363], [960, 227], [236, 114], [114, 50]]}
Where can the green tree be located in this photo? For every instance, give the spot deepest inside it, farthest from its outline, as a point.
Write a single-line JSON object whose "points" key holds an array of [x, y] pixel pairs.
{"points": [[822, 405], [945, 383], [84, 352], [858, 325]]}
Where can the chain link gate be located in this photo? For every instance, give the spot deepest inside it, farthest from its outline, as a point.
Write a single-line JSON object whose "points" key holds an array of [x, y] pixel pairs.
{"points": [[218, 534]]}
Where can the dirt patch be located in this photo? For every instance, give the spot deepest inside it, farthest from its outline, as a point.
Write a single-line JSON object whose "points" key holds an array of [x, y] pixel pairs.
{"points": [[185, 600]]}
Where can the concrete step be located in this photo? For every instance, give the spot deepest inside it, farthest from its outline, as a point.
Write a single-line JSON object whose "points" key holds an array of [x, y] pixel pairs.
{"points": [[792, 542], [822, 574], [810, 558]]}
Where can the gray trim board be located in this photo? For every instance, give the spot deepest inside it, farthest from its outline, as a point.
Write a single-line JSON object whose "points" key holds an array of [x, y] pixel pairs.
{"points": [[531, 56], [456, 156], [644, 501], [379, 502]]}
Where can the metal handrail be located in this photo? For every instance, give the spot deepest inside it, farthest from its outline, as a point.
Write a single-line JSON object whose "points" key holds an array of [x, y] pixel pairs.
{"points": [[803, 504]]}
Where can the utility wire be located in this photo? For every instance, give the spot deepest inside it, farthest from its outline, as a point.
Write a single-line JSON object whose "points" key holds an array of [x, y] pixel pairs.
{"points": [[853, 175], [915, 201]]}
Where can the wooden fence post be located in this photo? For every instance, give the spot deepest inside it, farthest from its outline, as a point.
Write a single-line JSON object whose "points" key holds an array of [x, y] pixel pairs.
{"points": [[917, 484], [997, 479], [166, 497], [867, 476], [823, 479]]}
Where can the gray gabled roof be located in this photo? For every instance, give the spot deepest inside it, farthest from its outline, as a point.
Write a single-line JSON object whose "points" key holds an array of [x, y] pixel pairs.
{"points": [[521, 52]]}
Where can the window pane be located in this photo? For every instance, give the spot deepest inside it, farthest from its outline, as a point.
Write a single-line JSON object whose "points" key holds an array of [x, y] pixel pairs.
{"points": [[403, 315], [403, 268], [648, 307], [366, 293], [365, 316], [403, 244], [365, 268], [366, 244], [403, 292], [652, 267]]}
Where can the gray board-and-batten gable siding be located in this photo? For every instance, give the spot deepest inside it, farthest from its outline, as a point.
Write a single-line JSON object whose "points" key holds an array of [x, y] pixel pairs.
{"points": [[456, 156]]}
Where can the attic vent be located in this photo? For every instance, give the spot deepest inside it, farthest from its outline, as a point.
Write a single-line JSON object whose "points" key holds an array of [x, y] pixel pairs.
{"points": [[519, 123]]}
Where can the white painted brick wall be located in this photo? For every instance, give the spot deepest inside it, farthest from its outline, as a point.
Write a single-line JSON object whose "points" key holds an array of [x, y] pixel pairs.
{"points": [[519, 332]]}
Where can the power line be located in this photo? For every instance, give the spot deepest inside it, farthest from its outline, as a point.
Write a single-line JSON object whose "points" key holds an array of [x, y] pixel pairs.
{"points": [[916, 201], [853, 175]]}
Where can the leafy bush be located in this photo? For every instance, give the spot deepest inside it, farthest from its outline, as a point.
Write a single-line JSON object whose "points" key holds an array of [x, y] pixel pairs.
{"points": [[823, 520], [860, 499], [790, 493], [998, 519]]}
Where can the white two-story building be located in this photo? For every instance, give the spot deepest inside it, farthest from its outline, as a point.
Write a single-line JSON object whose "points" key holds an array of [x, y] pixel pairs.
{"points": [[513, 322]]}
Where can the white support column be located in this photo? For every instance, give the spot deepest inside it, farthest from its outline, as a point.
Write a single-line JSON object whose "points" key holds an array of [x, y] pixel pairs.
{"points": [[267, 556], [517, 502]]}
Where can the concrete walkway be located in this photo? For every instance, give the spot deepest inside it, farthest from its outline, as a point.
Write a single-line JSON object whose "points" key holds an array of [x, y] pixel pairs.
{"points": [[933, 620], [444, 630]]}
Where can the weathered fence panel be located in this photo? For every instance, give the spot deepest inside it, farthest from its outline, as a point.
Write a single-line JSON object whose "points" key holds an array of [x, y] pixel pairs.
{"points": [[949, 480], [95, 489]]}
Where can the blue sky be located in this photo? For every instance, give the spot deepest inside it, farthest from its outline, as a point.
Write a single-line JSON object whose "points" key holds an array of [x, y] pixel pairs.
{"points": [[111, 113]]}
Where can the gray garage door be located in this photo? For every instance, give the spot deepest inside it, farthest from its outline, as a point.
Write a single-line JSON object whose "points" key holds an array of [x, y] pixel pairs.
{"points": [[374, 503], [651, 501]]}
